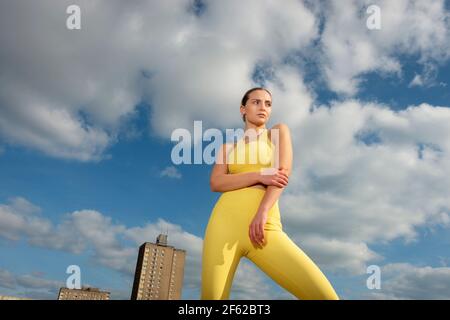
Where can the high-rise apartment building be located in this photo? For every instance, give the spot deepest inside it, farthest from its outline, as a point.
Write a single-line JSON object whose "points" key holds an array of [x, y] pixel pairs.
{"points": [[159, 271]]}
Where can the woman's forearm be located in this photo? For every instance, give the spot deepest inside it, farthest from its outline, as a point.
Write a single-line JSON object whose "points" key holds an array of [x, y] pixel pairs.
{"points": [[232, 181], [284, 154], [270, 197]]}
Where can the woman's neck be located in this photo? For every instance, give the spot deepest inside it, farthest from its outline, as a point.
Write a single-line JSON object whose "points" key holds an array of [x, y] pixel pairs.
{"points": [[257, 129], [253, 132]]}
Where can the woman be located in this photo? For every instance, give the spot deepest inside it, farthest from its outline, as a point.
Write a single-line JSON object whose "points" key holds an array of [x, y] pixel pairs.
{"points": [[245, 220]]}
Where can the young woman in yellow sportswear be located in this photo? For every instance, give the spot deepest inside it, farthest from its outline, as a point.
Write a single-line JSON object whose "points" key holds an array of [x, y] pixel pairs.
{"points": [[245, 221]]}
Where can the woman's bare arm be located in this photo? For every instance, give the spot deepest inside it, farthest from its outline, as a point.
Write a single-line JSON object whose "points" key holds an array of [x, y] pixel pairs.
{"points": [[256, 228], [285, 163], [222, 181]]}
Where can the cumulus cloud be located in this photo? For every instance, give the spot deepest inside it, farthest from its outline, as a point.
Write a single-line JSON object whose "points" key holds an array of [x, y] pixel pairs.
{"points": [[350, 49], [427, 78], [32, 285], [71, 94], [405, 281], [21, 219], [366, 174], [78, 231]]}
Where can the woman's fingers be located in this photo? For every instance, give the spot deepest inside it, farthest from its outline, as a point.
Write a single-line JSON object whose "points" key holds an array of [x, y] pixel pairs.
{"points": [[284, 177], [251, 233], [281, 182], [279, 179], [254, 234], [259, 234], [277, 183], [283, 172]]}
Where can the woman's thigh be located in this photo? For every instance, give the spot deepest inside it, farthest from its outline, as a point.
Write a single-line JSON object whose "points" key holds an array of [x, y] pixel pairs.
{"points": [[290, 267]]}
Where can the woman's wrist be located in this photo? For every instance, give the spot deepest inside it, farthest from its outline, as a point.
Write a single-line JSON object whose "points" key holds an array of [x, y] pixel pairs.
{"points": [[262, 211], [257, 177]]}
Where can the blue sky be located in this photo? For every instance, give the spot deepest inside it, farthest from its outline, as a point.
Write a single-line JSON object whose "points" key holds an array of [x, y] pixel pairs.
{"points": [[97, 165]]}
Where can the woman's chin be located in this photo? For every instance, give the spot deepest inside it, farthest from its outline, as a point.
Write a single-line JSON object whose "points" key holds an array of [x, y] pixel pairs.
{"points": [[260, 121]]}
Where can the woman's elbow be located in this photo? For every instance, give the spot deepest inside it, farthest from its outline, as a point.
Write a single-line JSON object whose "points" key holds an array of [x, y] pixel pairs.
{"points": [[213, 185]]}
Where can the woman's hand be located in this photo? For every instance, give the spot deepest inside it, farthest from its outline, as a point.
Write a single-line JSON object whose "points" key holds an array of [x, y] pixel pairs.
{"points": [[274, 177], [256, 228]]}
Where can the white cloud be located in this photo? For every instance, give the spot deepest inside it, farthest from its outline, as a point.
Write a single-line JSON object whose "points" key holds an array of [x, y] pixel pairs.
{"points": [[71, 94], [250, 283], [68, 93], [34, 121], [405, 281], [416, 81], [214, 62], [171, 172], [292, 99], [427, 78], [6, 279], [350, 49], [30, 285], [20, 217], [346, 193]]}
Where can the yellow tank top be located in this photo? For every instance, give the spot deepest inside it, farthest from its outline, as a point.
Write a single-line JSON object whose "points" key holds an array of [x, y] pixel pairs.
{"points": [[252, 156]]}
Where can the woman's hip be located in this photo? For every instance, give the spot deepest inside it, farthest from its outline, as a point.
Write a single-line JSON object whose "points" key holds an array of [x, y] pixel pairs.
{"points": [[241, 205]]}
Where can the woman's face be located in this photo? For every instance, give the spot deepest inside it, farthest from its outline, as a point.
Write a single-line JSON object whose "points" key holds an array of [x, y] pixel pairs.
{"points": [[258, 107]]}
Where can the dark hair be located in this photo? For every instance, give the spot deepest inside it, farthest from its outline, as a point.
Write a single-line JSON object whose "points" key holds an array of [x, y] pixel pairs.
{"points": [[246, 96]]}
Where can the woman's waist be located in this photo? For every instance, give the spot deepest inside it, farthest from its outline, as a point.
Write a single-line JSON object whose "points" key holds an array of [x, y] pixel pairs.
{"points": [[248, 197], [256, 187]]}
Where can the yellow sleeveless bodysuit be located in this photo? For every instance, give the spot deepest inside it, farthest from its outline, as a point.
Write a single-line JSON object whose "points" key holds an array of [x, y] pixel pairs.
{"points": [[227, 240]]}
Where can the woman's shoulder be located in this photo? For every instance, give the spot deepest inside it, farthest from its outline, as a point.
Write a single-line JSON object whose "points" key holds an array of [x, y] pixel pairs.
{"points": [[280, 127], [227, 147]]}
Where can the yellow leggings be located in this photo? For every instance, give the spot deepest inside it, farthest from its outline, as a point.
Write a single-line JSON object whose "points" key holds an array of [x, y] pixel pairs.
{"points": [[227, 239]]}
